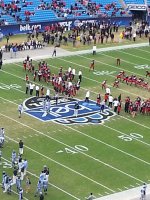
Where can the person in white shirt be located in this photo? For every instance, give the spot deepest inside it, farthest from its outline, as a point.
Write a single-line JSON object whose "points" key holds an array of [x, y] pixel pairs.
{"points": [[116, 103], [108, 91], [94, 50], [73, 73], [87, 96], [69, 69], [80, 75], [110, 100], [91, 197], [20, 109], [48, 94], [37, 90], [31, 86], [134, 36]]}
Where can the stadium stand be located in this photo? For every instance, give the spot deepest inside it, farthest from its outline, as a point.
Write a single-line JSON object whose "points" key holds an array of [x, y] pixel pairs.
{"points": [[34, 11], [134, 1]]}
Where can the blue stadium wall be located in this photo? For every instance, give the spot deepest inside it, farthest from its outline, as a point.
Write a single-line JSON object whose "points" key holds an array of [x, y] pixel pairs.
{"points": [[26, 28]]}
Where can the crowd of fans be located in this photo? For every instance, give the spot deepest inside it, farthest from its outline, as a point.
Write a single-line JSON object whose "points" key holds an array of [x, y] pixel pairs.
{"points": [[94, 9], [77, 8]]}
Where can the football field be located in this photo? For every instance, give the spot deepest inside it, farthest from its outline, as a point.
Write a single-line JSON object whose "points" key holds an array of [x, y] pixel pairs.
{"points": [[100, 153]]}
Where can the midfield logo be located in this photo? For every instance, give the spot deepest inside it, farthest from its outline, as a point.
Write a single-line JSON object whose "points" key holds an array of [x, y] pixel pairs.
{"points": [[63, 113]]}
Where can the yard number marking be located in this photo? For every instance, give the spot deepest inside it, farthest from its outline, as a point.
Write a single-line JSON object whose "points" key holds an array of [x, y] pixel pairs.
{"points": [[8, 87], [75, 149], [101, 73], [142, 67], [6, 165], [129, 138]]}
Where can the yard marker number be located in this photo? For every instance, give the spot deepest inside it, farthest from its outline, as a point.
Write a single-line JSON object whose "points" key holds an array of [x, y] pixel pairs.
{"points": [[76, 149], [6, 165], [131, 137]]}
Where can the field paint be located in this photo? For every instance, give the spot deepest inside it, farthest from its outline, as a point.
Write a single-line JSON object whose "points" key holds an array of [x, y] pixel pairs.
{"points": [[143, 50], [126, 187], [132, 186], [107, 193], [119, 189], [48, 183], [145, 143], [132, 55], [60, 163], [109, 166], [52, 159], [138, 184], [124, 61], [100, 141], [135, 122], [13, 88], [94, 79], [14, 191]]}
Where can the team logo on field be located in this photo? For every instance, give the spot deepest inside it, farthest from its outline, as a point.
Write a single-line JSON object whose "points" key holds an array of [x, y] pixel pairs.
{"points": [[63, 113]]}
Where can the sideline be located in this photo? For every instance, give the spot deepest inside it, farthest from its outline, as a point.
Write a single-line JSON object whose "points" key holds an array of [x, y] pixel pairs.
{"points": [[126, 195], [46, 52]]}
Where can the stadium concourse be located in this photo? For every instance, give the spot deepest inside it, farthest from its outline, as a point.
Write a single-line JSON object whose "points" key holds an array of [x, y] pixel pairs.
{"points": [[130, 194]]}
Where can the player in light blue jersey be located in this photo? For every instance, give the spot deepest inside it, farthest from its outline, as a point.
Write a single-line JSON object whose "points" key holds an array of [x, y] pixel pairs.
{"points": [[13, 157], [45, 185], [38, 189], [20, 109]]}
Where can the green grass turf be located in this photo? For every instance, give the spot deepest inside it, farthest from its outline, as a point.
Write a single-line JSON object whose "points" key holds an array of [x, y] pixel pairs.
{"points": [[111, 163]]}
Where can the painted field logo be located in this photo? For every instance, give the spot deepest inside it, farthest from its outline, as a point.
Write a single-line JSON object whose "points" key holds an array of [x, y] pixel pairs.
{"points": [[63, 113]]}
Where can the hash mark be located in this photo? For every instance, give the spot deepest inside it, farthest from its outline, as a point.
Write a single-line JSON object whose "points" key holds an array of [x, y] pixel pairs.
{"points": [[106, 192], [126, 187], [119, 189]]}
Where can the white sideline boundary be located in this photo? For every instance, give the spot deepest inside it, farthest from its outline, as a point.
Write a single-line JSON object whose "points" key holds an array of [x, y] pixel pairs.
{"points": [[130, 194], [126, 195], [47, 51]]}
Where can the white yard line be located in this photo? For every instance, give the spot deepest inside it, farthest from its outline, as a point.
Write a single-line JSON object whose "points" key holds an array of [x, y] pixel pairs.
{"points": [[14, 191], [93, 80], [58, 188], [60, 164], [128, 154], [143, 50], [112, 119], [133, 55], [97, 160]]}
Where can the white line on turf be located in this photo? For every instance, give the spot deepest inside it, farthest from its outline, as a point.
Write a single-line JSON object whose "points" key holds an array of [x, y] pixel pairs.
{"points": [[94, 79], [143, 50], [106, 164], [89, 137], [138, 184], [106, 143], [133, 55], [17, 193], [132, 185], [119, 189], [58, 188], [60, 164]]}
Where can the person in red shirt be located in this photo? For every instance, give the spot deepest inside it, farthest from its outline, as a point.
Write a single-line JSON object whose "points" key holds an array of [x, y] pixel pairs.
{"points": [[26, 78], [92, 66]]}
